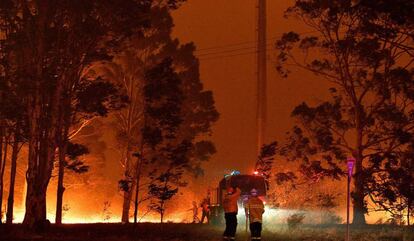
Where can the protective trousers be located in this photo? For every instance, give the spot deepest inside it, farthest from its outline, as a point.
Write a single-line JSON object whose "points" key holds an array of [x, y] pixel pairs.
{"points": [[231, 226], [205, 214], [256, 230]]}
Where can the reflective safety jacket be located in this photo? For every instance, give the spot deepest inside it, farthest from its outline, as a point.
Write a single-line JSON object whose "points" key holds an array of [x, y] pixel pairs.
{"points": [[254, 209], [230, 202]]}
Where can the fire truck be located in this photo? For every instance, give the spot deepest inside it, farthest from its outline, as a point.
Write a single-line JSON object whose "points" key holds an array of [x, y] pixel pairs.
{"points": [[235, 179]]}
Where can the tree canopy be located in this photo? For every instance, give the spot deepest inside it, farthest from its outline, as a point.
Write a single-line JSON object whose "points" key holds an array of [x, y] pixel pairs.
{"points": [[364, 50]]}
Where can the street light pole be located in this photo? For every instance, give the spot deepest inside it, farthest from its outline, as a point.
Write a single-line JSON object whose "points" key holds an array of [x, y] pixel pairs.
{"points": [[351, 162]]}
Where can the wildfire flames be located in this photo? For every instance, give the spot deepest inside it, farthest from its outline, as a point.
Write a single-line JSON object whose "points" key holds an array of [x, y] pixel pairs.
{"points": [[96, 201], [100, 201], [112, 215]]}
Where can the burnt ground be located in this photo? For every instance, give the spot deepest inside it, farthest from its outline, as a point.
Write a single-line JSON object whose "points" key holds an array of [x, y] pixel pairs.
{"points": [[197, 232]]}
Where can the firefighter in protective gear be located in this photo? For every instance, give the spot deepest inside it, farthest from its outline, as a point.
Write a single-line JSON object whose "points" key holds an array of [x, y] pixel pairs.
{"points": [[230, 212], [254, 211], [205, 207]]}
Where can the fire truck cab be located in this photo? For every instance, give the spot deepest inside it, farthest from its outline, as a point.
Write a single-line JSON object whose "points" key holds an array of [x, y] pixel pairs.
{"points": [[245, 183]]}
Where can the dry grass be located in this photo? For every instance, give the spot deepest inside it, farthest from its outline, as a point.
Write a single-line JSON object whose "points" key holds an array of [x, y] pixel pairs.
{"points": [[195, 232]]}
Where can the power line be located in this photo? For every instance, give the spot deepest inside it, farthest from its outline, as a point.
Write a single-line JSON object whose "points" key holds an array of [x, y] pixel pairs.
{"points": [[230, 50], [218, 54], [230, 55], [227, 56], [230, 45]]}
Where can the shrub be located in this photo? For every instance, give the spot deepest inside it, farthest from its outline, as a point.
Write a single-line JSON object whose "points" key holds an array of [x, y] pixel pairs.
{"points": [[331, 218], [294, 220]]}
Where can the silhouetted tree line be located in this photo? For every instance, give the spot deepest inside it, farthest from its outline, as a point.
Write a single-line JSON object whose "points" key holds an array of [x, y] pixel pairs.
{"points": [[364, 50], [52, 83]]}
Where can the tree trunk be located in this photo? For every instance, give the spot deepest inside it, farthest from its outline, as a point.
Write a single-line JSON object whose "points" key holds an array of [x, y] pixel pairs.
{"points": [[41, 109], [358, 196], [127, 203], [125, 206], [359, 207], [13, 168], [128, 167], [63, 143], [37, 181], [29, 217], [140, 161], [129, 176], [139, 165], [408, 211], [42, 147], [162, 210], [35, 205], [32, 214], [359, 180], [60, 187], [1, 151], [2, 168], [162, 204]]}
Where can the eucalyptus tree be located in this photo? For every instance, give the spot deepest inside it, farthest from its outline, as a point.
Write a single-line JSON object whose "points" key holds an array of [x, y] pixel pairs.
{"points": [[13, 123], [364, 51], [129, 70], [53, 43]]}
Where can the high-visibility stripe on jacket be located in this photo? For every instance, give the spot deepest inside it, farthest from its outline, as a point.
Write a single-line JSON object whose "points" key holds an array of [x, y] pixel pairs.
{"points": [[230, 202], [255, 208]]}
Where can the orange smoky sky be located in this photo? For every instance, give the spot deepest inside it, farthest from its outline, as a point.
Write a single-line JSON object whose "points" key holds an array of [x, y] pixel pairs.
{"points": [[224, 32]]}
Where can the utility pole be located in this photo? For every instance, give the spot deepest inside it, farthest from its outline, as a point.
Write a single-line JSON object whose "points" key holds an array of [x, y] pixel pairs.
{"points": [[261, 74]]}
